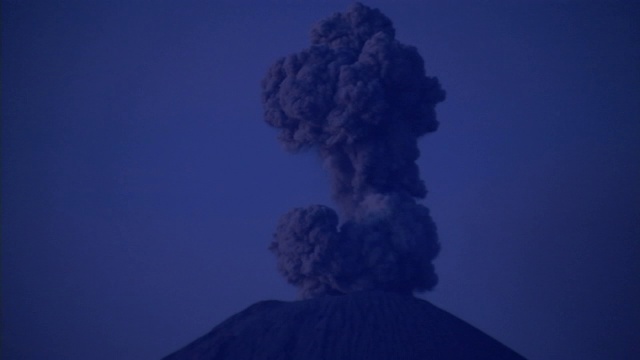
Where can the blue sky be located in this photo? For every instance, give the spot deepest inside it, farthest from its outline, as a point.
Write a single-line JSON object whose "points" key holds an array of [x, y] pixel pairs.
{"points": [[141, 187]]}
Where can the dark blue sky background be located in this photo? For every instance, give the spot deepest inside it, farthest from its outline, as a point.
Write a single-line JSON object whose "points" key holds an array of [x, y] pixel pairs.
{"points": [[140, 185]]}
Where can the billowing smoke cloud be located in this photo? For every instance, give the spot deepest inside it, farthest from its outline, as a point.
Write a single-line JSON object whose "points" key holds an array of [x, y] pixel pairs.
{"points": [[362, 99]]}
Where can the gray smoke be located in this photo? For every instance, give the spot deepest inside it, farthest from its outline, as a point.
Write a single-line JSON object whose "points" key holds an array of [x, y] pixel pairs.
{"points": [[362, 99]]}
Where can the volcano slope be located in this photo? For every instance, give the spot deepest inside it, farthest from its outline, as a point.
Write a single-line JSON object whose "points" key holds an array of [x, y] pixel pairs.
{"points": [[363, 325]]}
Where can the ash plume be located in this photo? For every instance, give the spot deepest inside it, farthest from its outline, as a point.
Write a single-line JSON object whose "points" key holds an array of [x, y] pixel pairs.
{"points": [[361, 99]]}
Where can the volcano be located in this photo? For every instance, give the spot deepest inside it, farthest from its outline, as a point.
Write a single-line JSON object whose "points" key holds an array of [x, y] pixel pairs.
{"points": [[360, 99], [366, 325]]}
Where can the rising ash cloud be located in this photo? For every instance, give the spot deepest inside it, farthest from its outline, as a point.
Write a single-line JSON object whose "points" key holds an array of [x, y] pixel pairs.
{"points": [[361, 99]]}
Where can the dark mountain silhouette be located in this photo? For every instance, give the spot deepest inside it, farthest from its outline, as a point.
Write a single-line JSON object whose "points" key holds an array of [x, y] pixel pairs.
{"points": [[368, 325]]}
